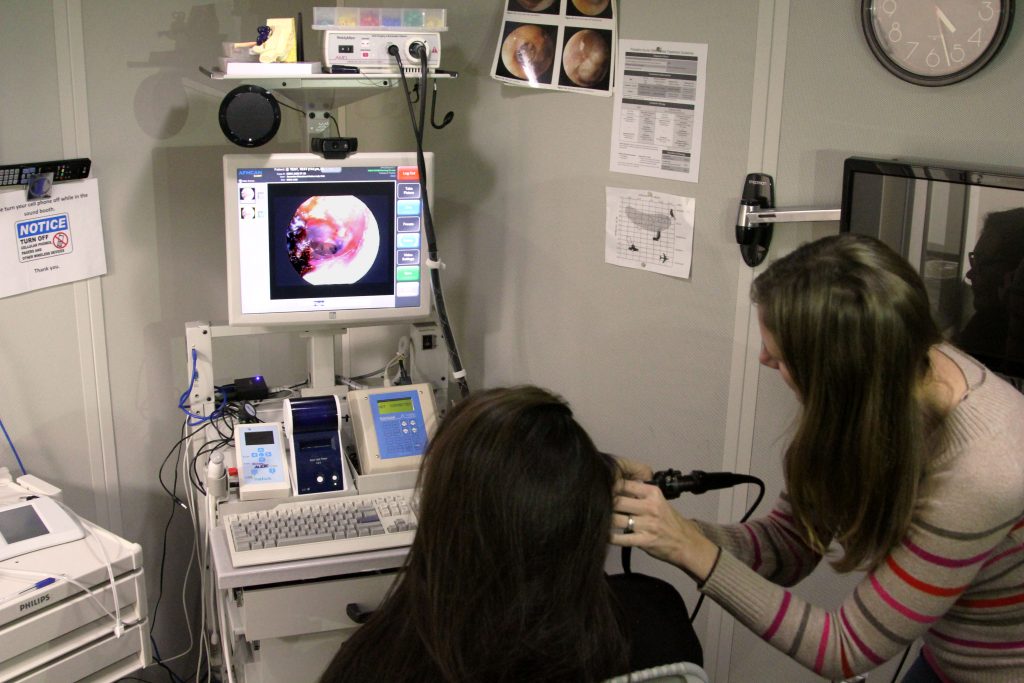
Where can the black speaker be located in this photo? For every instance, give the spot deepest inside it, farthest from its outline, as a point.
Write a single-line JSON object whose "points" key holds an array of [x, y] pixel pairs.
{"points": [[249, 116]]}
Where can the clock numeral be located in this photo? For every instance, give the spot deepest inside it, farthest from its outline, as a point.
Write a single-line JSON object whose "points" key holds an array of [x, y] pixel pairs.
{"points": [[935, 42]]}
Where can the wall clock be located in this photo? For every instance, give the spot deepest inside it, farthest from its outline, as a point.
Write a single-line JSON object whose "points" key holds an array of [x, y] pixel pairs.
{"points": [[935, 42]]}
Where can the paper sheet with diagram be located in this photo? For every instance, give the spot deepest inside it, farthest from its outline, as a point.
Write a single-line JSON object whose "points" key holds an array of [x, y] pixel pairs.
{"points": [[659, 109], [649, 230], [52, 240], [566, 45]]}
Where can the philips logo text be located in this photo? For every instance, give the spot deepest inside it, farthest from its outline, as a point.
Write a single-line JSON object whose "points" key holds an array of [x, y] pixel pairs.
{"points": [[32, 603]]}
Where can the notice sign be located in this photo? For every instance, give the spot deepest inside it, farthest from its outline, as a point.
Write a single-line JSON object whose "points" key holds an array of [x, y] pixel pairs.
{"points": [[50, 241], [43, 237]]}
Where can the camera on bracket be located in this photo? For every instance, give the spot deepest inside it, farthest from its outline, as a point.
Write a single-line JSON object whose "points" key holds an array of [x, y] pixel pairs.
{"points": [[335, 148]]}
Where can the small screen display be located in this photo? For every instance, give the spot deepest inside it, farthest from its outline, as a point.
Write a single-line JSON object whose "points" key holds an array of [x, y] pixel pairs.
{"points": [[21, 524], [264, 437], [395, 405]]}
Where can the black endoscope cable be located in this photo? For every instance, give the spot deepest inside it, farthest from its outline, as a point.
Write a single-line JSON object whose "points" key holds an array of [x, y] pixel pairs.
{"points": [[433, 263], [674, 483]]}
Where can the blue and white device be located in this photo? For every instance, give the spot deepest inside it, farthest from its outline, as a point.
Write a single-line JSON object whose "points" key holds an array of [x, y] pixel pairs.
{"points": [[392, 426], [262, 467]]}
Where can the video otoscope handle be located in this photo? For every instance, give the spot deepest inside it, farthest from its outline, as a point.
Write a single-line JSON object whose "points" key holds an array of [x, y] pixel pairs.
{"points": [[674, 483]]}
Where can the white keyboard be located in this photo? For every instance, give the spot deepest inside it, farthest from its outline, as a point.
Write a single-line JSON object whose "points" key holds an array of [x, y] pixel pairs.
{"points": [[318, 528]]}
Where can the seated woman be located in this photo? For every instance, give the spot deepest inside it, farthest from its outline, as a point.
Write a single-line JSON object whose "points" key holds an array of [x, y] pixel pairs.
{"points": [[505, 579]]}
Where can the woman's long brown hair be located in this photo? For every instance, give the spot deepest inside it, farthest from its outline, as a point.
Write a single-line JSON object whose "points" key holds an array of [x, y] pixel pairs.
{"points": [[852, 321], [505, 579]]}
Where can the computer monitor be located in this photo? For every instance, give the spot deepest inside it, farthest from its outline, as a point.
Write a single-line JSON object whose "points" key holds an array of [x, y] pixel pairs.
{"points": [[314, 241]]}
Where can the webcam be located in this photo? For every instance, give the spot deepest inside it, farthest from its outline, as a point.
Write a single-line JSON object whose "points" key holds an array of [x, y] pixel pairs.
{"points": [[335, 148]]}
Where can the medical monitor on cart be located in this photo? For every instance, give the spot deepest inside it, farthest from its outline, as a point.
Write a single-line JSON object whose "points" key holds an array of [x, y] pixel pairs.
{"points": [[314, 241]]}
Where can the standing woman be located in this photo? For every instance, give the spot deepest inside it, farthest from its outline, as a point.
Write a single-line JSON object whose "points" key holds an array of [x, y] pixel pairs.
{"points": [[907, 453], [505, 580]]}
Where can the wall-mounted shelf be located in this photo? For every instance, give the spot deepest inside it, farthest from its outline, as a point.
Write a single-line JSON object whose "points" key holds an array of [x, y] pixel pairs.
{"points": [[318, 92]]}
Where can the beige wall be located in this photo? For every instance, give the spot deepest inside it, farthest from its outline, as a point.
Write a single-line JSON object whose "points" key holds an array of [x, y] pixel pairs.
{"points": [[657, 368]]}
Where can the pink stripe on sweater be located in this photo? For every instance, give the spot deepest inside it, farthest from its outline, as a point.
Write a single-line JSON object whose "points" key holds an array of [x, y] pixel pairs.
{"points": [[980, 644], [898, 606], [819, 661], [757, 548], [783, 608], [868, 652], [782, 515], [1005, 553], [791, 539], [944, 561]]}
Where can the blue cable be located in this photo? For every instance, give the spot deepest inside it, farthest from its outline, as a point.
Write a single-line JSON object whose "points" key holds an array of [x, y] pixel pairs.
{"points": [[195, 419], [13, 449]]}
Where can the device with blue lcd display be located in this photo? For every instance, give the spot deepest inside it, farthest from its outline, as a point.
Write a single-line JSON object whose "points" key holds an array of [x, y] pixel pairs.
{"points": [[392, 426], [262, 467]]}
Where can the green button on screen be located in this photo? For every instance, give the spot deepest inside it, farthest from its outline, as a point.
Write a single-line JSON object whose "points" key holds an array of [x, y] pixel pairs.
{"points": [[407, 273]]}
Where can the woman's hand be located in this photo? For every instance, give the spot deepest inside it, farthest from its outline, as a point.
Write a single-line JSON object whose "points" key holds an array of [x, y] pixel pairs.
{"points": [[643, 519], [631, 469]]}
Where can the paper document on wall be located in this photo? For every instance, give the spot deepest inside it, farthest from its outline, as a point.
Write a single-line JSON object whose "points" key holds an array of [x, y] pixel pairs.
{"points": [[543, 44], [50, 241], [649, 230], [659, 109]]}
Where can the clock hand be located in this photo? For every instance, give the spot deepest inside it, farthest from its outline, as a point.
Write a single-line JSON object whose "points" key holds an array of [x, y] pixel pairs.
{"points": [[945, 20], [942, 36]]}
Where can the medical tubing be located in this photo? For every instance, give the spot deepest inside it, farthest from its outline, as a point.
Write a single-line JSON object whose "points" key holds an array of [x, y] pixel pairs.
{"points": [[454, 359], [13, 449]]}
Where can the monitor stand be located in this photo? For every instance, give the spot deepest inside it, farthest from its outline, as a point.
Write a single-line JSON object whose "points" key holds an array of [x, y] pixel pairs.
{"points": [[320, 349]]}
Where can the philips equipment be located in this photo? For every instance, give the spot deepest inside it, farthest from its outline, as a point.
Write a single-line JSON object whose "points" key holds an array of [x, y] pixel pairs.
{"points": [[262, 468], [33, 525], [392, 426], [314, 439], [314, 241]]}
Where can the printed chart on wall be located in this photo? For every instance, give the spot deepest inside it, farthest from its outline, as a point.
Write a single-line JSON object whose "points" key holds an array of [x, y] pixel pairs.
{"points": [[51, 240], [649, 230], [659, 109], [566, 45]]}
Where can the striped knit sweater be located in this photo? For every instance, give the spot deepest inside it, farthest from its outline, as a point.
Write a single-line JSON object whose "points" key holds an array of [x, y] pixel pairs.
{"points": [[956, 580]]}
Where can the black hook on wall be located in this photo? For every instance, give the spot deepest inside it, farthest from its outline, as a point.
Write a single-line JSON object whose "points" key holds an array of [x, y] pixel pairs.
{"points": [[754, 222]]}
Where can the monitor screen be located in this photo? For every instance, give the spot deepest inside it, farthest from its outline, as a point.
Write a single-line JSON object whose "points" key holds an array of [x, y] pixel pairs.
{"points": [[962, 227], [319, 241]]}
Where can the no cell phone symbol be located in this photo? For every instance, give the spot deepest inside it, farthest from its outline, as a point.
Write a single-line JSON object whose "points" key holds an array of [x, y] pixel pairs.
{"points": [[60, 240]]}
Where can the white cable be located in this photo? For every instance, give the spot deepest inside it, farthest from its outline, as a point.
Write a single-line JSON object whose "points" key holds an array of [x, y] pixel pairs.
{"points": [[119, 626], [65, 577], [90, 535]]}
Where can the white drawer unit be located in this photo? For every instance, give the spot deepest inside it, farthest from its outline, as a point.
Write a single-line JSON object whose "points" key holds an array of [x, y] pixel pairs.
{"points": [[56, 631], [286, 620]]}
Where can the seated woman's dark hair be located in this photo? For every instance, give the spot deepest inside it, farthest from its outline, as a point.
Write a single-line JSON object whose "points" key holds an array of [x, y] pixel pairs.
{"points": [[505, 579]]}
